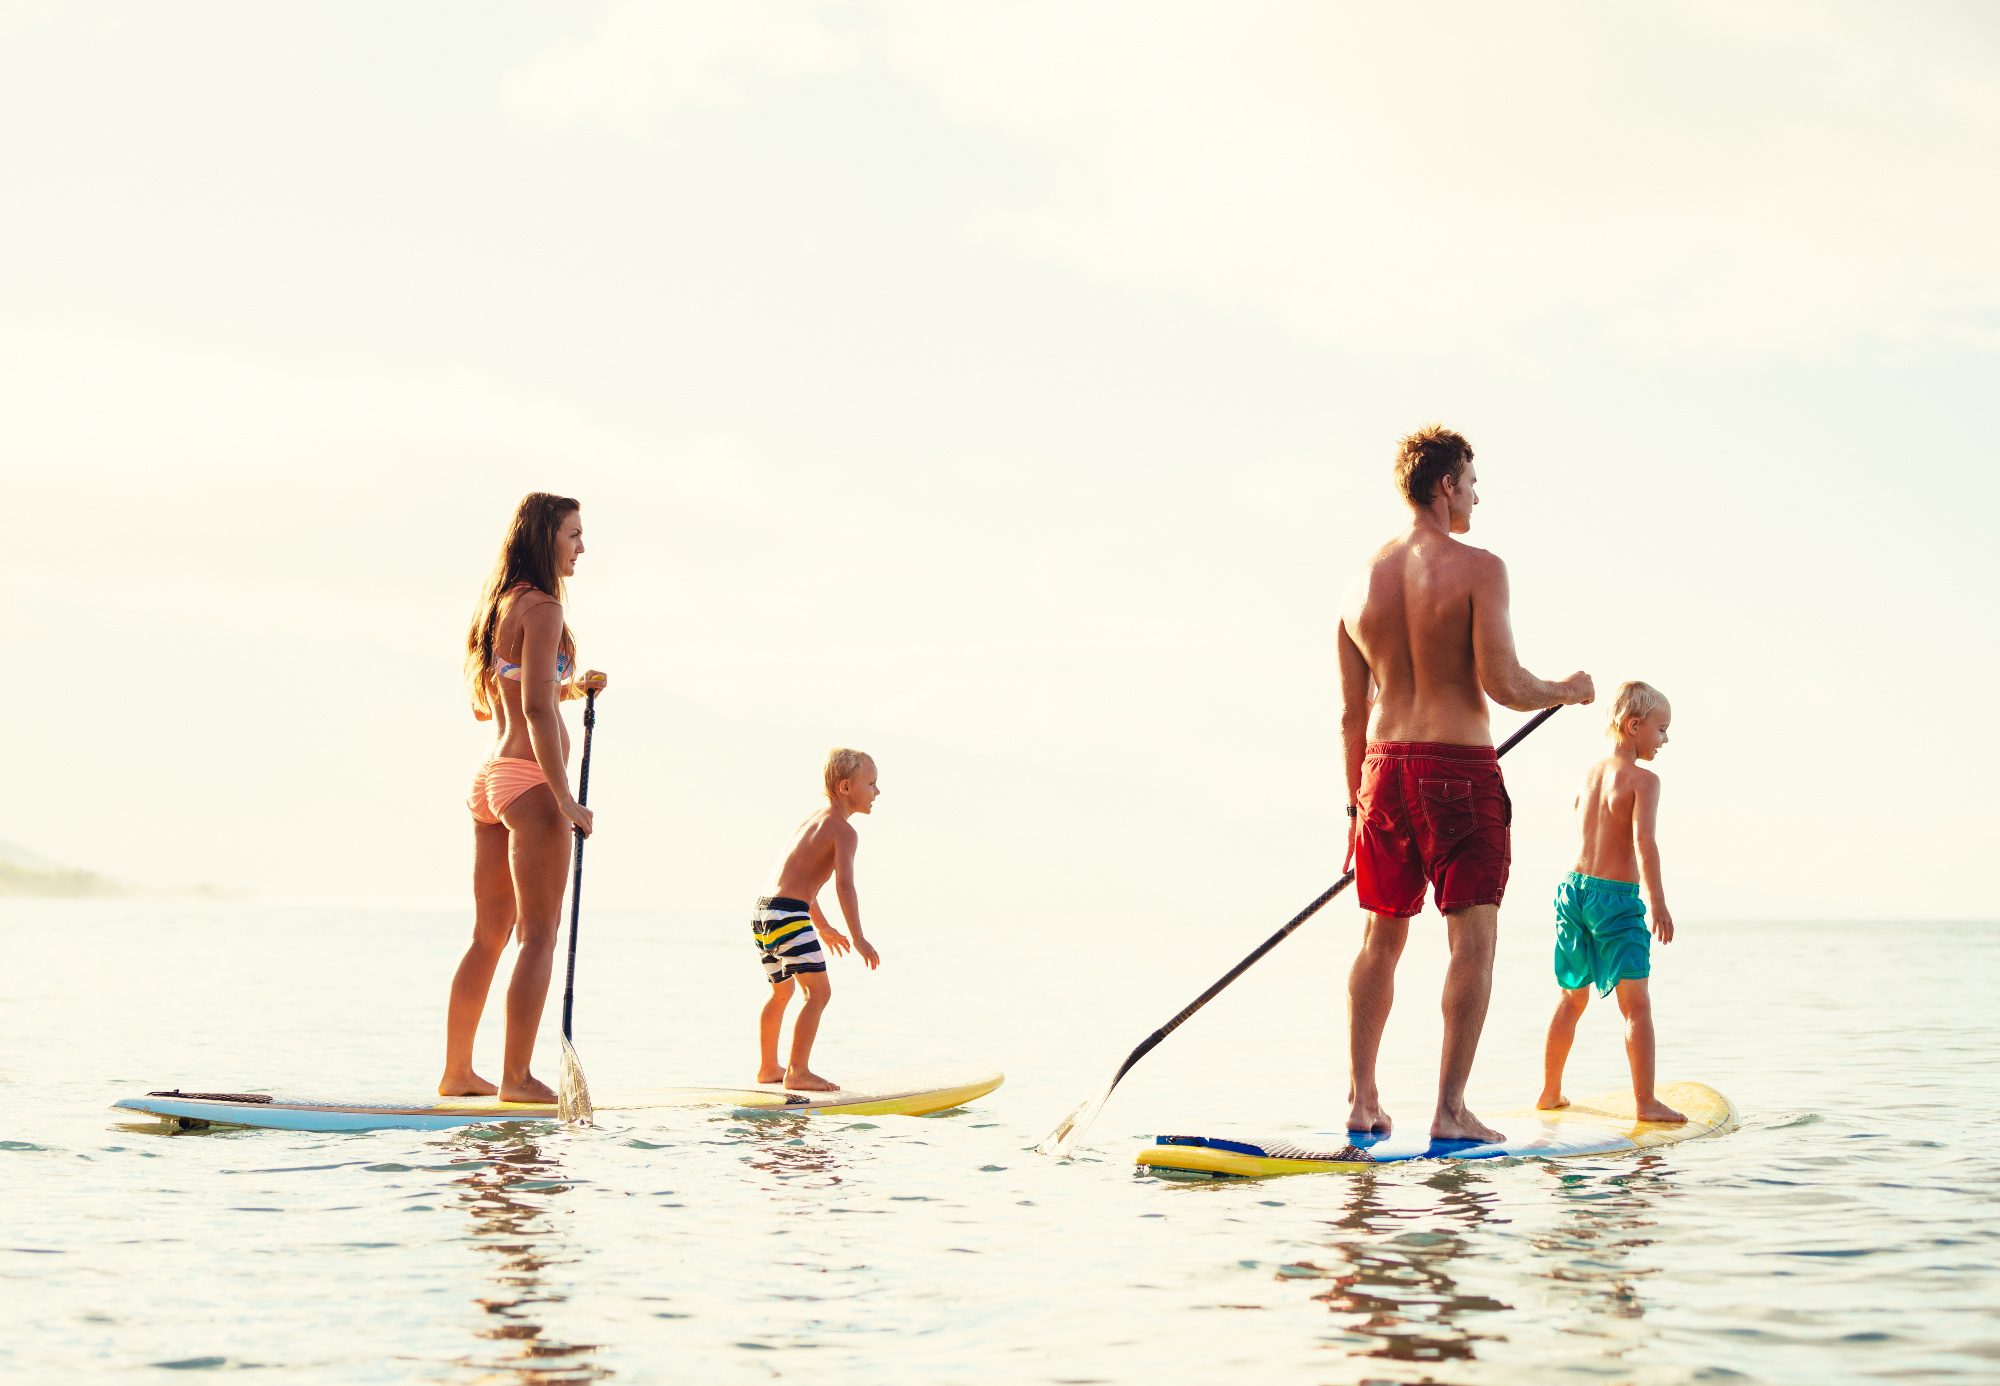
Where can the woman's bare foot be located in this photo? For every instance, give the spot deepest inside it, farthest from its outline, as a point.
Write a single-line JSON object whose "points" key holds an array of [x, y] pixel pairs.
{"points": [[805, 1080], [1463, 1126], [1549, 1102], [770, 1075], [1369, 1116], [528, 1090], [1657, 1110], [465, 1084]]}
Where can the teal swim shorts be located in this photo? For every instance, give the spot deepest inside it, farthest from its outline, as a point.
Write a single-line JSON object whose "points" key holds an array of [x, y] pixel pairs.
{"points": [[1601, 934]]}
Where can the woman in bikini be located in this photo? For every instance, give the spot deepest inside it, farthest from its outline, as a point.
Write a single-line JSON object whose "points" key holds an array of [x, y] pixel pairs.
{"points": [[519, 659]]}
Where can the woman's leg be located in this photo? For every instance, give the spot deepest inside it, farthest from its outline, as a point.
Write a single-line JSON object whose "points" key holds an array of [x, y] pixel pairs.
{"points": [[539, 856], [492, 926]]}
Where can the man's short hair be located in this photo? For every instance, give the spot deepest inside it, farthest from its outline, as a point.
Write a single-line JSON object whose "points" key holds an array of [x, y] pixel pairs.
{"points": [[1426, 458], [1635, 699], [844, 764]]}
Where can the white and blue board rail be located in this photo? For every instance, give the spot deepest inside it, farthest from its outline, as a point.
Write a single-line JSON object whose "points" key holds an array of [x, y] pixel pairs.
{"points": [[910, 1092], [1605, 1124]]}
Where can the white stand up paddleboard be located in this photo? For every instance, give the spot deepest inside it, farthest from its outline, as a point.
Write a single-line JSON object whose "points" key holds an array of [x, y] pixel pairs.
{"points": [[1600, 1125], [911, 1092]]}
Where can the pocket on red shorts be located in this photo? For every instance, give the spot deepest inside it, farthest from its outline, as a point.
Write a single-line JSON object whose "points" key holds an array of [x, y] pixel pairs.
{"points": [[1448, 809]]}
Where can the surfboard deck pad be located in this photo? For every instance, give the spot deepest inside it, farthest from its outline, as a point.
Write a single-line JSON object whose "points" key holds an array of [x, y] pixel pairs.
{"points": [[1605, 1124], [907, 1092]]}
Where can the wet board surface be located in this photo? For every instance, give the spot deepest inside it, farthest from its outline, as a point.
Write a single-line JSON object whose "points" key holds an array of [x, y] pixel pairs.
{"points": [[1601, 1125], [908, 1092]]}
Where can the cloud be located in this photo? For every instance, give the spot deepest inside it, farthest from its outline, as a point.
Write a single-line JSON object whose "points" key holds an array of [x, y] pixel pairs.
{"points": [[645, 61], [1444, 179]]}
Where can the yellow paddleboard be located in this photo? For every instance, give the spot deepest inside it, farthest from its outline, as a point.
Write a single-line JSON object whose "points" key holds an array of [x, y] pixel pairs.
{"points": [[1600, 1125]]}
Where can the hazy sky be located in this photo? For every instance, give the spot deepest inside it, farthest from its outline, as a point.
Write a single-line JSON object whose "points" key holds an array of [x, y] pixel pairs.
{"points": [[1007, 389]]}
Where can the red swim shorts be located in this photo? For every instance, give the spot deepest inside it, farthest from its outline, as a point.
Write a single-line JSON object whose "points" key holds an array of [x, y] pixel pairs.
{"points": [[1432, 812]]}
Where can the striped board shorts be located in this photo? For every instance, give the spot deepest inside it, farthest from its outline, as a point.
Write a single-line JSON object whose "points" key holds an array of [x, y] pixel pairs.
{"points": [[786, 938]]}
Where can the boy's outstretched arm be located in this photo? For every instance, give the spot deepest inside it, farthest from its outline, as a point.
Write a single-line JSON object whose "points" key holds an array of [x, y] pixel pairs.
{"points": [[1645, 814], [832, 937], [844, 844]]}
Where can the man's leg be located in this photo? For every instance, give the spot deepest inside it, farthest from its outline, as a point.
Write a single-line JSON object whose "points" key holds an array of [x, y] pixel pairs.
{"points": [[1468, 983], [1555, 1052], [1635, 999], [1371, 991]]}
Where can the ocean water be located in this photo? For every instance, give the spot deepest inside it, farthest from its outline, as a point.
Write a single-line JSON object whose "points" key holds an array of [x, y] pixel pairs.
{"points": [[1849, 1231]]}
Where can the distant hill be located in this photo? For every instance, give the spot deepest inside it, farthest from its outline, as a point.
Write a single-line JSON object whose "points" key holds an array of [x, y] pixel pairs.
{"points": [[23, 872]]}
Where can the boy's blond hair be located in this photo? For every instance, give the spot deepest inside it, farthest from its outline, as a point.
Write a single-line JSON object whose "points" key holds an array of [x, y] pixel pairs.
{"points": [[843, 764], [1635, 699]]}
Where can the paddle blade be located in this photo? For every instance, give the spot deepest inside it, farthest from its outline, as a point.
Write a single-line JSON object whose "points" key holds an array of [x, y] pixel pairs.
{"points": [[572, 1092], [1070, 1130]]}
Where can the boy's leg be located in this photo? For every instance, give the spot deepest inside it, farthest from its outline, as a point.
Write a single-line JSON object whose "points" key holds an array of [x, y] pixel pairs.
{"points": [[1468, 985], [818, 988], [1555, 1053], [1635, 999], [1371, 991], [769, 1020]]}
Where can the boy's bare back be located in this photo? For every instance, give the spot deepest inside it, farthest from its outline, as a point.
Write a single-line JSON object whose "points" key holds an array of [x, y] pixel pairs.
{"points": [[1613, 795], [815, 850]]}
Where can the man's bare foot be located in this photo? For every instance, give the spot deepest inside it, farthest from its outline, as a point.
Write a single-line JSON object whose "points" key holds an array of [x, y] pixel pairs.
{"points": [[1463, 1127], [465, 1084], [770, 1075], [805, 1080], [1549, 1102], [1657, 1110], [531, 1090], [1369, 1116]]}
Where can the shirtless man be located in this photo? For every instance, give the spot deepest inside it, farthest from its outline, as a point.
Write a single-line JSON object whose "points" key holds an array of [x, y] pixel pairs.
{"points": [[1424, 642]]}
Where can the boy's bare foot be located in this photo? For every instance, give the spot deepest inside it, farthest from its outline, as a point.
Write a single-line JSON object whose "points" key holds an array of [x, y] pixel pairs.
{"points": [[1464, 1126], [1657, 1110], [1369, 1116], [804, 1080], [533, 1090], [465, 1084], [1549, 1102], [770, 1075]]}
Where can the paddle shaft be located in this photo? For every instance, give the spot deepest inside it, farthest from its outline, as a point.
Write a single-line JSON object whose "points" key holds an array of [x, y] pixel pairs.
{"points": [[576, 882], [1146, 1047]]}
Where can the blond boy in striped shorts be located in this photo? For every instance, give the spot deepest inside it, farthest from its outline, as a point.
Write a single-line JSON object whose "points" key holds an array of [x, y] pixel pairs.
{"points": [[788, 926]]}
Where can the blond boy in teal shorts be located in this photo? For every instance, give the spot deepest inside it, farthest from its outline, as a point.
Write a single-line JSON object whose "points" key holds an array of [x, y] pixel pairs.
{"points": [[1601, 937]]}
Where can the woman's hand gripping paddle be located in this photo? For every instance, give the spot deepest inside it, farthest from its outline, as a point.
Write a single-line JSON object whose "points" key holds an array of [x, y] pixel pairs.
{"points": [[1070, 1130], [572, 1092]]}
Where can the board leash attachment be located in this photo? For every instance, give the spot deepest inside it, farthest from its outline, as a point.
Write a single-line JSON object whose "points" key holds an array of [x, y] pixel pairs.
{"points": [[1070, 1130], [572, 1089]]}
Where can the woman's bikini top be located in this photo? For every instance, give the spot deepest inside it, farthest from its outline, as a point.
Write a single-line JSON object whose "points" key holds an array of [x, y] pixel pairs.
{"points": [[503, 670]]}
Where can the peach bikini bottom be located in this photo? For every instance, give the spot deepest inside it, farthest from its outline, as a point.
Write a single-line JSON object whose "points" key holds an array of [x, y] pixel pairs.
{"points": [[499, 783]]}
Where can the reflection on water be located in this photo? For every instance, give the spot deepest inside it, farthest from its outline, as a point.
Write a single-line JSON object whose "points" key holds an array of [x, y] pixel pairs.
{"points": [[1396, 1293], [508, 1191], [787, 1148]]}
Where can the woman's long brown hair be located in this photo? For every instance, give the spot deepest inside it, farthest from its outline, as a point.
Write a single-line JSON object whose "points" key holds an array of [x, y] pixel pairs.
{"points": [[527, 555]]}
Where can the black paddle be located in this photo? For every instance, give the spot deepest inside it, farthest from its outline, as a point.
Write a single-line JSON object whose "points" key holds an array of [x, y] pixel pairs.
{"points": [[1061, 1141], [572, 1092]]}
